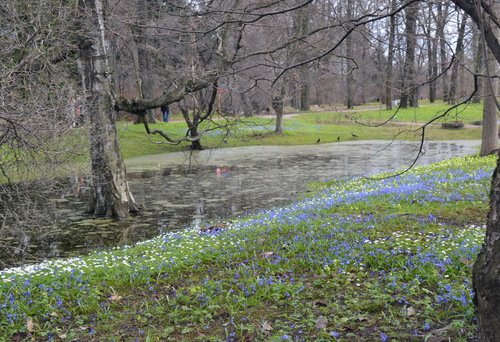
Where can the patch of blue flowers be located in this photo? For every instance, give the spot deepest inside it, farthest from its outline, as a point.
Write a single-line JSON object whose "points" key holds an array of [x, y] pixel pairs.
{"points": [[421, 265]]}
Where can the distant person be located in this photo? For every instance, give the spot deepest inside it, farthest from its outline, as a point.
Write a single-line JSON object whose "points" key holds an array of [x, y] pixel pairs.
{"points": [[165, 112]]}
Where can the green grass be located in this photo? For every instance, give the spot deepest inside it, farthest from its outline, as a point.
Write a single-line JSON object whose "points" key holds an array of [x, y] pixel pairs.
{"points": [[305, 129], [468, 113], [357, 260]]}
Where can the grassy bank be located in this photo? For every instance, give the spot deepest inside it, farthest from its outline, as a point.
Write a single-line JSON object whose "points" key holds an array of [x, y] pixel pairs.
{"points": [[468, 113], [360, 260], [307, 128]]}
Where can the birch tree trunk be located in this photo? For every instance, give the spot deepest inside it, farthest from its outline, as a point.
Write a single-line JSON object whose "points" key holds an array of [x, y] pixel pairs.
{"points": [[110, 193]]}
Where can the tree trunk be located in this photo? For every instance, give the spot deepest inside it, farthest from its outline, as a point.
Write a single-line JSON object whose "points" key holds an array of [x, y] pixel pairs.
{"points": [[459, 53], [486, 277], [196, 143], [278, 109], [192, 127], [433, 70], [478, 64], [441, 22], [349, 55], [390, 58], [432, 58], [409, 96], [304, 88], [144, 56], [298, 53], [489, 136], [110, 193]]}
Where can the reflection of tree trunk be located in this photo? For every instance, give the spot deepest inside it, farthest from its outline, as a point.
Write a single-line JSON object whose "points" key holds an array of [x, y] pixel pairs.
{"points": [[459, 52], [110, 195], [390, 58]]}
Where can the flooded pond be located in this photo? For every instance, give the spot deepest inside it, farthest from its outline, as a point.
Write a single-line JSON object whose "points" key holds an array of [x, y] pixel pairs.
{"points": [[186, 189]]}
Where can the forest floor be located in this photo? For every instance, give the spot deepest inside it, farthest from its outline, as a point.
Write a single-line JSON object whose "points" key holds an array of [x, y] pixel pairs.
{"points": [[355, 260]]}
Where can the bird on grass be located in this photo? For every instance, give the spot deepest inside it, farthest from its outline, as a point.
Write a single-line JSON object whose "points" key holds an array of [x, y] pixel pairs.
{"points": [[354, 135], [318, 141], [338, 138]]}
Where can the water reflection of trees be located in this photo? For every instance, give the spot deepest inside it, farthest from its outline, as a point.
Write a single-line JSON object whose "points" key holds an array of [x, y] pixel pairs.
{"points": [[180, 196]]}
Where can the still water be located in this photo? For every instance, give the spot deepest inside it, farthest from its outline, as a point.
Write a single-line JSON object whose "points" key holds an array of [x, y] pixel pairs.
{"points": [[191, 189]]}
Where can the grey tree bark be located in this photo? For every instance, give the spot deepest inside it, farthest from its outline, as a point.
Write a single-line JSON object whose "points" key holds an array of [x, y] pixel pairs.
{"points": [[409, 96], [459, 54], [432, 68], [489, 135], [442, 17], [390, 58], [145, 60], [349, 55], [479, 61], [110, 193], [277, 105]]}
